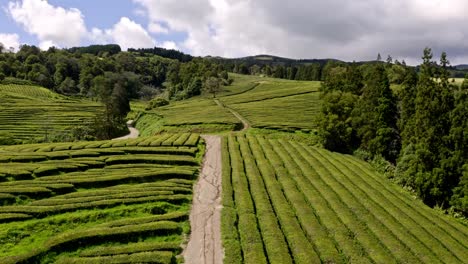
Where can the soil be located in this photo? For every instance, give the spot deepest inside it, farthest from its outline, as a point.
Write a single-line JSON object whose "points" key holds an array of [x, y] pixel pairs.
{"points": [[134, 133], [204, 245]]}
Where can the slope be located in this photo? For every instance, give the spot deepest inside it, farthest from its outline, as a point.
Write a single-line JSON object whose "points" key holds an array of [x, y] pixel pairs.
{"points": [[30, 113]]}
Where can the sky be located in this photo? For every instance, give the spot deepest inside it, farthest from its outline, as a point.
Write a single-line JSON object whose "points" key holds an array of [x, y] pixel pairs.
{"points": [[342, 29]]}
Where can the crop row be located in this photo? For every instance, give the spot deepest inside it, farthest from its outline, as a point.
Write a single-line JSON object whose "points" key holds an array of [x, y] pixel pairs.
{"points": [[43, 211], [159, 257], [131, 248], [167, 141], [71, 240], [307, 205]]}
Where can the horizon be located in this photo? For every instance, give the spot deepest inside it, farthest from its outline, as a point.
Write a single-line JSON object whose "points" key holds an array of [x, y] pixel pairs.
{"points": [[297, 29]]}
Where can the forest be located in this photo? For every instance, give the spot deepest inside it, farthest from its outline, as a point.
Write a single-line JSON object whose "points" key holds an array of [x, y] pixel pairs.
{"points": [[416, 132]]}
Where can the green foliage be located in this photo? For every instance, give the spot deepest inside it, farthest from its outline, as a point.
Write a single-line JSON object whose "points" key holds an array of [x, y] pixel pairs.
{"points": [[335, 121], [156, 102], [335, 206], [419, 127], [94, 201]]}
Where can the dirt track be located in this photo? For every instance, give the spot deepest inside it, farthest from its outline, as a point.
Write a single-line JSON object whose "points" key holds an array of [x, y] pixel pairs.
{"points": [[134, 133], [244, 121], [204, 245]]}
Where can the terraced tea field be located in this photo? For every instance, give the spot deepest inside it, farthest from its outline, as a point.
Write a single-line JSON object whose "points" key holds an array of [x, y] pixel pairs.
{"points": [[97, 202], [285, 202], [263, 102], [29, 113]]}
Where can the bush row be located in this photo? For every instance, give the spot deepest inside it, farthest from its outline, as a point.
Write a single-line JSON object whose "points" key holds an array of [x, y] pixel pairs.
{"points": [[250, 237], [43, 211], [229, 218], [72, 240], [131, 248], [273, 240], [157, 257]]}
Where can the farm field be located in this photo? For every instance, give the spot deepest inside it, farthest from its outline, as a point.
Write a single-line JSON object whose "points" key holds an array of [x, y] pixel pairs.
{"points": [[265, 103], [97, 202], [30, 113], [292, 203]]}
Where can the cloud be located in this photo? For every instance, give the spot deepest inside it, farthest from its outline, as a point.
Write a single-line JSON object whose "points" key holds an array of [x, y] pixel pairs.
{"points": [[10, 41], [169, 45], [126, 33], [53, 26], [157, 28], [349, 30]]}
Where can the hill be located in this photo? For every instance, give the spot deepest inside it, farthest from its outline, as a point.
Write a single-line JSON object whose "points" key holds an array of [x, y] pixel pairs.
{"points": [[264, 102], [97, 202], [292, 203], [33, 113]]}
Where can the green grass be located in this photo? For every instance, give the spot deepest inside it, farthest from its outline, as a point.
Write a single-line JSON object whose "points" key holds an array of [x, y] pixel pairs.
{"points": [[268, 103], [93, 202], [317, 206], [196, 115], [31, 113]]}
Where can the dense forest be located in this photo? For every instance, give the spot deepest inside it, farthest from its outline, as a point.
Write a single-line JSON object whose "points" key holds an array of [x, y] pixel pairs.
{"points": [[105, 73], [313, 69], [416, 131]]}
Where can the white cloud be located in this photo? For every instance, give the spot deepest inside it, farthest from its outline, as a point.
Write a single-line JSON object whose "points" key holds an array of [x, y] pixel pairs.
{"points": [[10, 41], [126, 33], [157, 28], [52, 25], [350, 30], [169, 45]]}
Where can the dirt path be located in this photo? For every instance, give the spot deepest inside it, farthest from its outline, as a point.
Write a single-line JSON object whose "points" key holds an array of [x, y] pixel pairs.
{"points": [[204, 246], [134, 133], [244, 121]]}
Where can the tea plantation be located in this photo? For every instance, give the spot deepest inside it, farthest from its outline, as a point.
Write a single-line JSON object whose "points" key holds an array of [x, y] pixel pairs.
{"points": [[97, 202]]}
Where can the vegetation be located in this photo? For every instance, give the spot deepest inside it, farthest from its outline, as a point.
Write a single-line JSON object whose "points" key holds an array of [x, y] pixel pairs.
{"points": [[420, 128], [290, 203], [95, 202], [35, 114]]}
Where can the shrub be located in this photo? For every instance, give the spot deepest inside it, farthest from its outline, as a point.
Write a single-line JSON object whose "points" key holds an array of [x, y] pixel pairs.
{"points": [[157, 102]]}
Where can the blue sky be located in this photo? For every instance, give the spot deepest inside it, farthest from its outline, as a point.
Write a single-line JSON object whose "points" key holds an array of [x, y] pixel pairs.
{"points": [[94, 17], [294, 28]]}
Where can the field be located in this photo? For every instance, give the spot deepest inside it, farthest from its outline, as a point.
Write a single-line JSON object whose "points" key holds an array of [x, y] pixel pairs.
{"points": [[30, 113], [97, 202], [265, 103], [292, 203]]}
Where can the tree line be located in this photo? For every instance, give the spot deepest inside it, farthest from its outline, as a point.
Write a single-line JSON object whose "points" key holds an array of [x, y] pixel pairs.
{"points": [[417, 130]]}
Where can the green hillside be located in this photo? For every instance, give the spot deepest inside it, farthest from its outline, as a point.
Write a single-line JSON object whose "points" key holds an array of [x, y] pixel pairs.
{"points": [[264, 102], [30, 113], [97, 202], [291, 203]]}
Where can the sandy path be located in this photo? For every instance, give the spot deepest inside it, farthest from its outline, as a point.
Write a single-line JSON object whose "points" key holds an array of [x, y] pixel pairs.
{"points": [[244, 121], [134, 133], [204, 246]]}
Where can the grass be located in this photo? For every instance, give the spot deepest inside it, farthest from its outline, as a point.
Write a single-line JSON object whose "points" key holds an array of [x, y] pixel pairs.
{"points": [[32, 113], [93, 202], [319, 206], [266, 103]]}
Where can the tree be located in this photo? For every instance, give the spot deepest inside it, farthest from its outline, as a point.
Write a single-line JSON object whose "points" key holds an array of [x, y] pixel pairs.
{"points": [[334, 122], [212, 85], [375, 116]]}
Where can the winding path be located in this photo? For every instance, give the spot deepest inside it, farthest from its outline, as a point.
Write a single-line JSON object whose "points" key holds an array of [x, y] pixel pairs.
{"points": [[204, 246], [134, 133], [244, 121]]}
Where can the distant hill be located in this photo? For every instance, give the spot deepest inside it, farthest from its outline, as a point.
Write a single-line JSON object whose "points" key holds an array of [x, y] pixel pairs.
{"points": [[264, 59], [462, 67]]}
